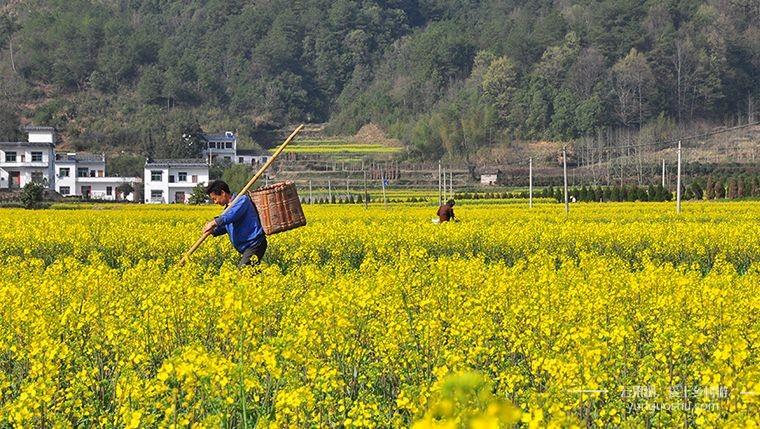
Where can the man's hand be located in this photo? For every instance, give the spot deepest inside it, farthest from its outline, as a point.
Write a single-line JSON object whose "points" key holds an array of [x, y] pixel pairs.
{"points": [[209, 227]]}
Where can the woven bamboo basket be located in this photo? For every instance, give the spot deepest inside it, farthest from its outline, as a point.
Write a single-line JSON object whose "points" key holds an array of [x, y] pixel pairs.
{"points": [[279, 207]]}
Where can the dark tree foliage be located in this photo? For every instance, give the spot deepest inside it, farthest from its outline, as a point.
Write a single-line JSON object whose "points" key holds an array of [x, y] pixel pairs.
{"points": [[445, 76]]}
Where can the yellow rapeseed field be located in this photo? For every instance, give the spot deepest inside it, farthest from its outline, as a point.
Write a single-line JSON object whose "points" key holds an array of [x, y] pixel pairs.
{"points": [[618, 315]]}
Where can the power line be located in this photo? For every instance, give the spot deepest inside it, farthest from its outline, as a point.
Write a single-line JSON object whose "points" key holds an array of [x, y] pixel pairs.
{"points": [[675, 141]]}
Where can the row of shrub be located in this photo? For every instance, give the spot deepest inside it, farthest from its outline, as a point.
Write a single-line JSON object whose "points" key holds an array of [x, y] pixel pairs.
{"points": [[614, 193], [709, 188], [339, 200]]}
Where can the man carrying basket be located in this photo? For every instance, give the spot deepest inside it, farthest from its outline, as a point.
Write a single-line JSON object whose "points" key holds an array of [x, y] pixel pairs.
{"points": [[240, 221]]}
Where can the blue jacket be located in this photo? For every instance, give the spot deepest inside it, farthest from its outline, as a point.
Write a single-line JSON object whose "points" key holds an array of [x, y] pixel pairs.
{"points": [[241, 222]]}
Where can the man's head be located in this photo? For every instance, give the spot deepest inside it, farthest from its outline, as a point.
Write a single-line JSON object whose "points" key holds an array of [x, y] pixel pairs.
{"points": [[219, 192], [450, 203]]}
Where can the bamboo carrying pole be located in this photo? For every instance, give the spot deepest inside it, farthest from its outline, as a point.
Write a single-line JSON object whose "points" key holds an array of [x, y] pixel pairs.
{"points": [[243, 191]]}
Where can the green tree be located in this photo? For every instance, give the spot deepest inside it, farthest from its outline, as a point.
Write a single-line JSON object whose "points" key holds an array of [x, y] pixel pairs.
{"points": [[124, 189], [696, 190], [237, 176], [583, 194], [31, 195], [718, 189], [632, 79], [125, 165], [731, 188], [710, 188], [150, 86], [198, 195], [10, 123], [499, 85]]}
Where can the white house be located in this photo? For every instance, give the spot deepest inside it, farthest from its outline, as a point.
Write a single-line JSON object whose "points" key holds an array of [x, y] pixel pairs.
{"points": [[30, 161], [173, 180], [220, 147], [108, 188], [83, 174], [248, 156], [224, 147], [490, 178]]}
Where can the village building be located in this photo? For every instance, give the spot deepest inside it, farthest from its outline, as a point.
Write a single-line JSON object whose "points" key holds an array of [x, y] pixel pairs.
{"points": [[30, 161], [491, 178], [220, 147], [223, 147], [173, 180], [250, 157], [84, 175]]}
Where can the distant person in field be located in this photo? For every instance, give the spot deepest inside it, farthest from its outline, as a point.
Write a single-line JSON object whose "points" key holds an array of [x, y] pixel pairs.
{"points": [[241, 222], [446, 212]]}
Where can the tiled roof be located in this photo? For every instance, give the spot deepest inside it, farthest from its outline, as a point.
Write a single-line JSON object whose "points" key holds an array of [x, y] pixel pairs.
{"points": [[219, 137], [110, 179], [176, 163], [79, 156], [20, 144]]}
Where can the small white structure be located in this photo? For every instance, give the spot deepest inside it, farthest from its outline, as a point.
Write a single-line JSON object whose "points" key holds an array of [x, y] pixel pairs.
{"points": [[248, 156], [220, 147], [83, 174], [108, 188], [490, 178], [31, 161], [173, 180]]}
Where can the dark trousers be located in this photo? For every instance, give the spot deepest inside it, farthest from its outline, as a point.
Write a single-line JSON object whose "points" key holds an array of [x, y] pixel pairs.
{"points": [[247, 257]]}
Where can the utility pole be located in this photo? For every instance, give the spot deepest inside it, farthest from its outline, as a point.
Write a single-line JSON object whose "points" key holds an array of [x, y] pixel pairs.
{"points": [[564, 173], [451, 184], [445, 188], [530, 182], [366, 196], [382, 181], [678, 191], [440, 202]]}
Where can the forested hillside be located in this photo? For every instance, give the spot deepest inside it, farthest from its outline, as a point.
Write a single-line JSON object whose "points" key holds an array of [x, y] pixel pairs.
{"points": [[444, 76]]}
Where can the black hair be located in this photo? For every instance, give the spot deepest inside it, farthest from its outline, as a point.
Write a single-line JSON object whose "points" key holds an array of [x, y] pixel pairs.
{"points": [[450, 202], [217, 187]]}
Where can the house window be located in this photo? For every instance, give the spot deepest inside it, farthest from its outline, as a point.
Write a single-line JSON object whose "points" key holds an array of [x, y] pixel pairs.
{"points": [[63, 172], [92, 173], [171, 178], [36, 156], [156, 176], [109, 190], [195, 178], [100, 173], [182, 176], [156, 194], [65, 190], [229, 145], [82, 171], [240, 160], [10, 156]]}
